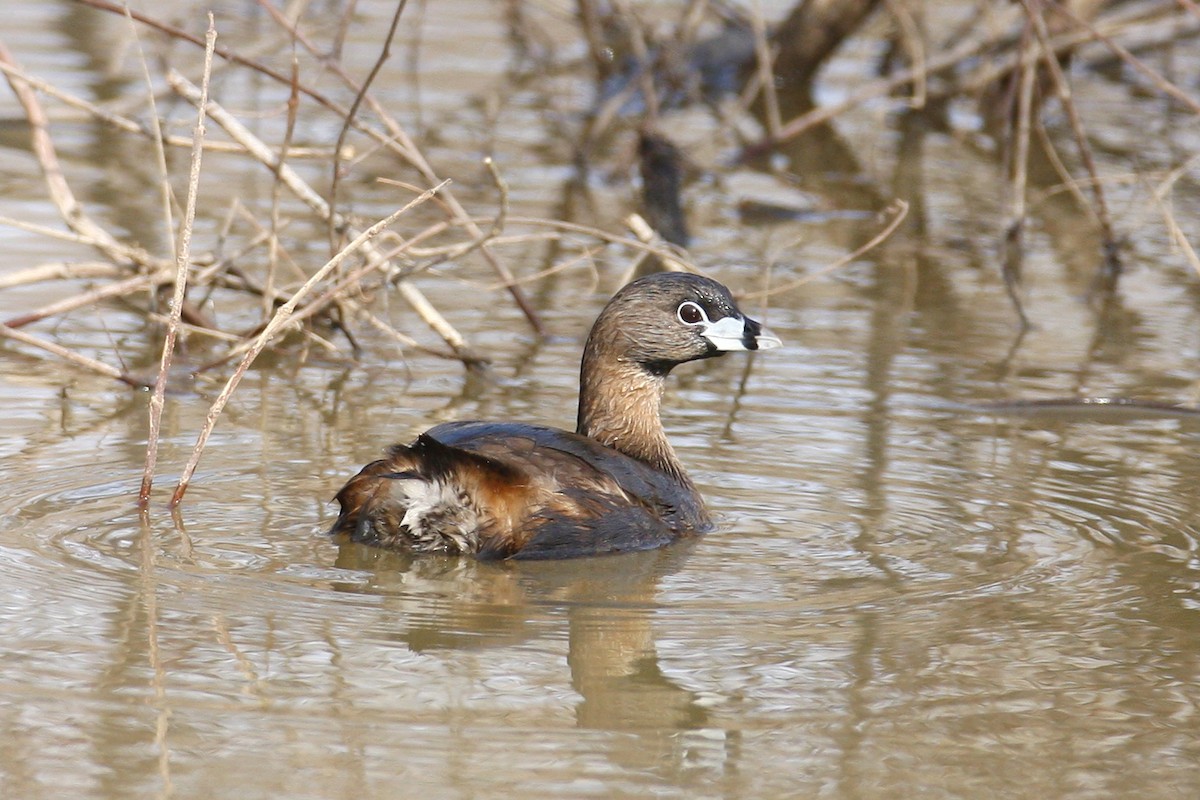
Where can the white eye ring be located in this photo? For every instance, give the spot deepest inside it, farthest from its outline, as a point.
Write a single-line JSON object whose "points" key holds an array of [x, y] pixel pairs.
{"points": [[690, 313]]}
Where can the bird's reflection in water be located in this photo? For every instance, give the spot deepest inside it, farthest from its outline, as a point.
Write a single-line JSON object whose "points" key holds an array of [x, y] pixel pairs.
{"points": [[610, 603]]}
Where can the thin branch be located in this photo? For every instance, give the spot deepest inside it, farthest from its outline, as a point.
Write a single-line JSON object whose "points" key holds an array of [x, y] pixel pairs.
{"points": [[1111, 267], [1160, 198], [914, 45], [141, 129], [1018, 179], [182, 257], [898, 209], [348, 120], [285, 149], [398, 140], [118, 289], [63, 270], [1160, 83], [56, 183], [305, 192], [935, 65], [222, 52], [282, 316], [75, 358], [765, 66]]}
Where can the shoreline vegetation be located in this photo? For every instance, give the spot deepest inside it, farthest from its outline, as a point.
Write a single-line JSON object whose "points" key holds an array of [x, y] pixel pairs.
{"points": [[757, 76]]}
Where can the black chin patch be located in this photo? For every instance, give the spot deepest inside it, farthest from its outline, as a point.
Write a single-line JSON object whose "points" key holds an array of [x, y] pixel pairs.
{"points": [[750, 332], [658, 368]]}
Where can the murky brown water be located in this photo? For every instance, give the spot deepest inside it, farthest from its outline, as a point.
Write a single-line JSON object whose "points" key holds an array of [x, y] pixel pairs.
{"points": [[902, 600]]}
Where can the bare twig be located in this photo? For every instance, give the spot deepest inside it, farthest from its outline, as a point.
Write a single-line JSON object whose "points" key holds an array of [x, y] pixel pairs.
{"points": [[642, 230], [56, 183], [659, 249], [60, 235], [285, 150], [335, 181], [1018, 179], [898, 210], [914, 45], [63, 270], [882, 88], [766, 78], [1160, 83], [282, 317], [1160, 198], [936, 65], [75, 358], [132, 126], [586, 257], [182, 257], [397, 139], [222, 52], [118, 289], [1111, 267], [305, 192]]}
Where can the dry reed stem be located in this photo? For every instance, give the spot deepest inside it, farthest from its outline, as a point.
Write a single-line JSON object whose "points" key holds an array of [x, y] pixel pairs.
{"points": [[338, 294], [285, 150], [298, 186], [281, 318], [160, 154], [1130, 25], [128, 125], [195, 329], [73, 214], [872, 91], [645, 233], [914, 46], [664, 250], [60, 235], [224, 53], [182, 259], [1068, 182], [347, 121], [588, 257], [409, 245], [446, 252], [1162, 84], [62, 270], [1160, 193], [397, 140], [765, 71], [403, 338], [899, 211], [59, 190], [78, 359], [438, 255], [937, 64], [118, 289], [1110, 268], [1018, 180], [264, 235]]}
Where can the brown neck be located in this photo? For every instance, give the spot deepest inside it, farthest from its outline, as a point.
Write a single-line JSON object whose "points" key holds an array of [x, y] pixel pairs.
{"points": [[618, 407]]}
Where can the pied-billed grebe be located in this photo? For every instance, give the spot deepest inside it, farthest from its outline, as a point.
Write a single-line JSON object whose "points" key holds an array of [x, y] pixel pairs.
{"points": [[507, 490]]}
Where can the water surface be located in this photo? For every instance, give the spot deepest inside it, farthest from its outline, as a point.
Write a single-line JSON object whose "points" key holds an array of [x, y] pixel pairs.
{"points": [[904, 597]]}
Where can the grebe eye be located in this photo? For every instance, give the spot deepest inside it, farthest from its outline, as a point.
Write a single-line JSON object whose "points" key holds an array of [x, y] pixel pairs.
{"points": [[690, 313]]}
